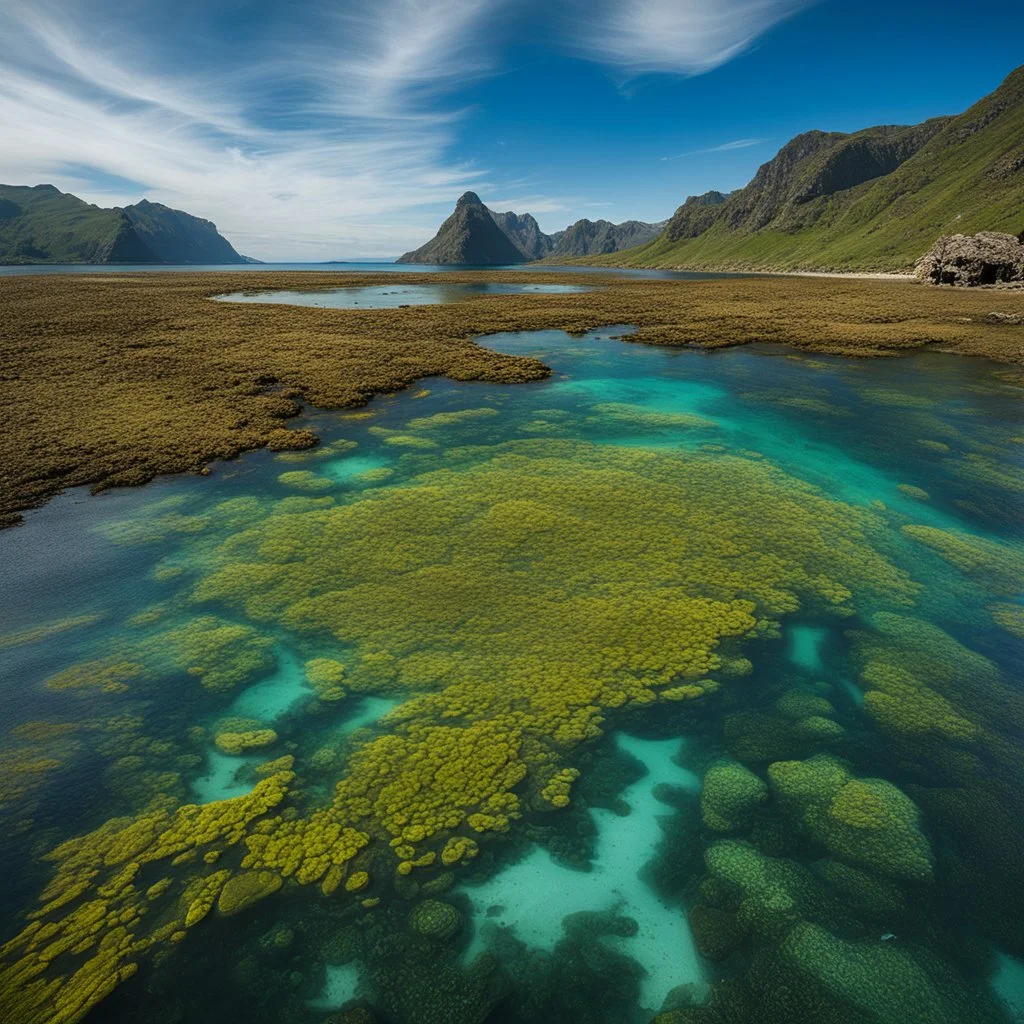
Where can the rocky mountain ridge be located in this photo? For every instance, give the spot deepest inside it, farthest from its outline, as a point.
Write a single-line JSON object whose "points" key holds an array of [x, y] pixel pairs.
{"points": [[874, 199], [467, 237], [41, 224]]}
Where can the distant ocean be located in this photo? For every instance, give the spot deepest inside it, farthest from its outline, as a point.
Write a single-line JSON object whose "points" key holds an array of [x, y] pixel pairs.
{"points": [[335, 267]]}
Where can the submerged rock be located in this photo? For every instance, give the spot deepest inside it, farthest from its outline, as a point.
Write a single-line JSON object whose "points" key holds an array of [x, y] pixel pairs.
{"points": [[435, 919], [988, 257]]}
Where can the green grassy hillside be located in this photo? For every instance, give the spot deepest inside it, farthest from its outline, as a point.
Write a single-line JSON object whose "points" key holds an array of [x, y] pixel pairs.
{"points": [[874, 200], [41, 224], [178, 237]]}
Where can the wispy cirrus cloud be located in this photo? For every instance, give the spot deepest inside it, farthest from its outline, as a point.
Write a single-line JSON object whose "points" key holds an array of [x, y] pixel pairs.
{"points": [[725, 147], [307, 131], [309, 145], [688, 37]]}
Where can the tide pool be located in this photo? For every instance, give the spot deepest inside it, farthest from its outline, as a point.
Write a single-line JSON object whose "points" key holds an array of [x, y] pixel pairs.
{"points": [[535, 895], [340, 987], [270, 698], [396, 296]]}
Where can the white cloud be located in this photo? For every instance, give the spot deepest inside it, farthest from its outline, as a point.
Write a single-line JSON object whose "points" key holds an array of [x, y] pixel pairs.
{"points": [[323, 130], [687, 37], [535, 204], [725, 147], [338, 168]]}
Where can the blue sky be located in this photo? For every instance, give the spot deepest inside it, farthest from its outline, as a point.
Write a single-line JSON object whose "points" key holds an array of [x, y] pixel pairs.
{"points": [[328, 130]]}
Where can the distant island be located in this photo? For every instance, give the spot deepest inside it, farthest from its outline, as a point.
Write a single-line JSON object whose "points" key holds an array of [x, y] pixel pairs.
{"points": [[476, 235], [41, 224], [871, 200]]}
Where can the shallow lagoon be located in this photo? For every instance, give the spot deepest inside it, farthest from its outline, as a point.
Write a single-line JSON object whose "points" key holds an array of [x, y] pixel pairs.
{"points": [[924, 455], [397, 296]]}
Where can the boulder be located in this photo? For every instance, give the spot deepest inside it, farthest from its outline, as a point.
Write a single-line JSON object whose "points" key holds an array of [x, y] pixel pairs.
{"points": [[988, 257]]}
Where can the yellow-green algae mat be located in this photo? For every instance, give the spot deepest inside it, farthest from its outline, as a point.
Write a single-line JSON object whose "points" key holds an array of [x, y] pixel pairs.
{"points": [[532, 596]]}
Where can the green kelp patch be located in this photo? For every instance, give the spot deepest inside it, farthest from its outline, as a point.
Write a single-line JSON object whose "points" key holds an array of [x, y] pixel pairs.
{"points": [[523, 594]]}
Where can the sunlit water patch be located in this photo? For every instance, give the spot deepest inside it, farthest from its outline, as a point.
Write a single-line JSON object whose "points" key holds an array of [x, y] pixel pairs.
{"points": [[398, 295], [534, 896], [333, 723]]}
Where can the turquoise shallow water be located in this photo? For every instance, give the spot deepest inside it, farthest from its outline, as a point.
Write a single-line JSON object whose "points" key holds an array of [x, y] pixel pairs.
{"points": [[649, 887], [392, 297]]}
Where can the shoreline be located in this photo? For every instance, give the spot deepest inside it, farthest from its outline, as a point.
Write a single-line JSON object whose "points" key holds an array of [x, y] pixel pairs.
{"points": [[117, 378], [852, 275]]}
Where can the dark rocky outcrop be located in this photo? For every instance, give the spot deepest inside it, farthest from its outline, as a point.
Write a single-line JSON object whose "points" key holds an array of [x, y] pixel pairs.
{"points": [[177, 237], [469, 236], [525, 233], [591, 237], [988, 257], [473, 234]]}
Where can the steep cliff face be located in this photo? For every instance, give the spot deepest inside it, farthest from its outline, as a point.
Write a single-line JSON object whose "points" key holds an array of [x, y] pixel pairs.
{"points": [[178, 237], [469, 235], [525, 234], [811, 166], [590, 237], [870, 200], [41, 224]]}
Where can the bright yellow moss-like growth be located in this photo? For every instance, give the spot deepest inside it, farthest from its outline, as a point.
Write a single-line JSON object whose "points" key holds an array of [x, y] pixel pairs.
{"points": [[321, 451], [95, 921], [458, 848], [531, 594], [451, 419], [325, 676], [221, 654], [556, 792], [1010, 617], [435, 778], [243, 890], [239, 742], [921, 681], [357, 881], [641, 417], [409, 441], [522, 597], [200, 897], [46, 630], [869, 822], [305, 480], [918, 493]]}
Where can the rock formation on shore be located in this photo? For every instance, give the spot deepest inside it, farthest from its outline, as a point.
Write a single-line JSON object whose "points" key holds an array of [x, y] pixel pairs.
{"points": [[989, 257]]}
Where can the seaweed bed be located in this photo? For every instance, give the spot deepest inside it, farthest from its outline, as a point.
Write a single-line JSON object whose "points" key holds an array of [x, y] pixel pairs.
{"points": [[673, 687], [113, 379]]}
